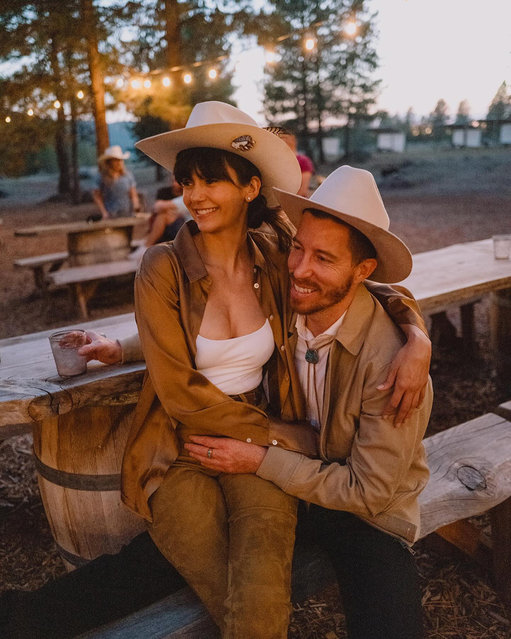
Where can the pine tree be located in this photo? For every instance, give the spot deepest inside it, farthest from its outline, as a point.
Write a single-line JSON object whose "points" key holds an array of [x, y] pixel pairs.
{"points": [[333, 78]]}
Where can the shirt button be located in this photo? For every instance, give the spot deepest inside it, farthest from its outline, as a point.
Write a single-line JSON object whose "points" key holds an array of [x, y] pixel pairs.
{"points": [[256, 285], [274, 442], [249, 440], [282, 348], [270, 318]]}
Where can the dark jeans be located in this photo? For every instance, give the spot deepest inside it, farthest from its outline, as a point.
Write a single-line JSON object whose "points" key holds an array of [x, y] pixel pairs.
{"points": [[105, 589], [376, 573]]}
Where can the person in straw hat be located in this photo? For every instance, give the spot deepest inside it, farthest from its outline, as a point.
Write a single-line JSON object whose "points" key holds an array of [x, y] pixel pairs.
{"points": [[116, 193], [211, 309], [362, 491]]}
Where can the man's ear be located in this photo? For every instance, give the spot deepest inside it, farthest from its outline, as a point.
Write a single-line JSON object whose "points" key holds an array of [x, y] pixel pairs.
{"points": [[364, 269]]}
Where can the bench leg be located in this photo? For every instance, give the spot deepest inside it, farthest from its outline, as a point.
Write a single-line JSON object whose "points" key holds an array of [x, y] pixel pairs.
{"points": [[83, 292], [467, 328], [500, 518]]}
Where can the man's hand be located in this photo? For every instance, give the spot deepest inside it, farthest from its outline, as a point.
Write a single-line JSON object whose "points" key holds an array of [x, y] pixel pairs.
{"points": [[101, 348], [408, 374], [226, 455]]}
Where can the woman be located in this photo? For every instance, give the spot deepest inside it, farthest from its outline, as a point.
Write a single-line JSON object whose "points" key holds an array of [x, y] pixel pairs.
{"points": [[209, 309], [116, 193]]}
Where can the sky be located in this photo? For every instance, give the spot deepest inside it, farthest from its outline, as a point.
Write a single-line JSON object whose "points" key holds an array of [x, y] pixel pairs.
{"points": [[428, 49]]}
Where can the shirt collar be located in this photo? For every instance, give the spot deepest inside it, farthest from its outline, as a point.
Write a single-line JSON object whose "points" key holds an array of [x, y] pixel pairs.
{"points": [[351, 328], [305, 334], [191, 259]]}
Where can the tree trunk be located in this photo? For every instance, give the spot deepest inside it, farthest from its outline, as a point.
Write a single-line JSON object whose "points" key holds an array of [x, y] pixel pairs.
{"points": [[60, 129], [174, 55], [96, 75], [62, 154]]}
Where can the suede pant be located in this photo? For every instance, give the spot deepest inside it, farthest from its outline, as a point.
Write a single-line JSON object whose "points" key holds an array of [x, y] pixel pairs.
{"points": [[232, 539]]}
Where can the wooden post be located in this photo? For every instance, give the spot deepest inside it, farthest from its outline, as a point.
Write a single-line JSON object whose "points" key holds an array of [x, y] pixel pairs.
{"points": [[500, 326]]}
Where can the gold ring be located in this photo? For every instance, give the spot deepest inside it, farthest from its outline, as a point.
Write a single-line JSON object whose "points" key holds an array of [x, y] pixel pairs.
{"points": [[210, 453]]}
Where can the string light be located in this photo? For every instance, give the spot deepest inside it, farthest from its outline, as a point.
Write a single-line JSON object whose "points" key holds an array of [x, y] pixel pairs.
{"points": [[80, 95], [270, 56], [166, 81], [120, 83], [147, 84], [187, 78], [57, 104], [351, 28], [30, 112], [8, 119], [212, 74], [136, 84], [310, 43]]}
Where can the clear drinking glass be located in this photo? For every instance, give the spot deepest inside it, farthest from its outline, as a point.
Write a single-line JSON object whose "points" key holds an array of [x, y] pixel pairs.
{"points": [[64, 346]]}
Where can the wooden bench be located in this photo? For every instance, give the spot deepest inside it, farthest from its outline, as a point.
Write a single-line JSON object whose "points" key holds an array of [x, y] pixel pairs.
{"points": [[84, 280], [470, 468], [41, 265]]}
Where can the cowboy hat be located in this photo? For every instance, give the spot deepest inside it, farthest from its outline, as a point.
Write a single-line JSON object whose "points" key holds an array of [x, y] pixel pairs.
{"points": [[351, 196], [222, 126], [113, 153]]}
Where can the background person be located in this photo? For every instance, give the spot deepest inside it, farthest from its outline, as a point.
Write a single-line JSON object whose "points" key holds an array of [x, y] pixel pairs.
{"points": [[115, 194], [306, 164]]}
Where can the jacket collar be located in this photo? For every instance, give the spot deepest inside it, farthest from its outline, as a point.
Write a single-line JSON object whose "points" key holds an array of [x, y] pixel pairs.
{"points": [[191, 259], [353, 330]]}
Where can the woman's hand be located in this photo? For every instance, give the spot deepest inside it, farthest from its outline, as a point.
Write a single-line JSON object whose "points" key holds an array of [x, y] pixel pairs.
{"points": [[226, 455], [408, 375], [102, 348]]}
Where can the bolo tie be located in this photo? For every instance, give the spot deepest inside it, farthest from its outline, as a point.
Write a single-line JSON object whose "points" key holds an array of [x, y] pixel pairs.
{"points": [[312, 358]]}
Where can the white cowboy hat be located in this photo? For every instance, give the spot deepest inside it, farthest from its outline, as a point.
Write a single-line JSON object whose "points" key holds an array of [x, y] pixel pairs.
{"points": [[222, 126], [351, 195], [114, 153]]}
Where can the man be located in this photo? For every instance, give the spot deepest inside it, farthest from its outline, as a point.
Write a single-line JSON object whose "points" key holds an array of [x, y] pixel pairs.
{"points": [[363, 490], [306, 164]]}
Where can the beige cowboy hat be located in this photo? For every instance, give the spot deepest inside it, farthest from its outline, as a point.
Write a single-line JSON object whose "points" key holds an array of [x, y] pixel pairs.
{"points": [[222, 126], [113, 153], [351, 195]]}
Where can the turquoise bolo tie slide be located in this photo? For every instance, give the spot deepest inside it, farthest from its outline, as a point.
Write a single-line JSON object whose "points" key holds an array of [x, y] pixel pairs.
{"points": [[312, 356]]}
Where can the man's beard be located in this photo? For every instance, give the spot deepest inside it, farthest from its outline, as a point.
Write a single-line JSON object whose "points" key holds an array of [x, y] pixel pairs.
{"points": [[329, 299]]}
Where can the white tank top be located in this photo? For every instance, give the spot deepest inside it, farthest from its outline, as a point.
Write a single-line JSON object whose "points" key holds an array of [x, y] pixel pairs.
{"points": [[235, 365]]}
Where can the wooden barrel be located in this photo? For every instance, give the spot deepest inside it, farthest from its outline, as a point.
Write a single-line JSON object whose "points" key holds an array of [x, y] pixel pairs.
{"points": [[78, 460], [100, 245]]}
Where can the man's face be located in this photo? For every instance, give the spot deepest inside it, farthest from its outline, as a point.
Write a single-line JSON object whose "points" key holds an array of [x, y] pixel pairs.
{"points": [[320, 268]]}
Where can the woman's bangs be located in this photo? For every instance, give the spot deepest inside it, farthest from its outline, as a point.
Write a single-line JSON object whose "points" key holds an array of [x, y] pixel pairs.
{"points": [[206, 163]]}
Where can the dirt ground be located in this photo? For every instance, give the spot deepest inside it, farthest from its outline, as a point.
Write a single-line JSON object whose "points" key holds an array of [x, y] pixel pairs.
{"points": [[433, 200]]}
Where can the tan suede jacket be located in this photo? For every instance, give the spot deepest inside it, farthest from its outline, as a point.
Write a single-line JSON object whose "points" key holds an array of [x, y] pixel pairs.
{"points": [[366, 466], [171, 289]]}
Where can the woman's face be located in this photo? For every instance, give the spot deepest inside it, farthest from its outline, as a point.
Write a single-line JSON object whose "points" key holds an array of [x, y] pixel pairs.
{"points": [[115, 165], [218, 205]]}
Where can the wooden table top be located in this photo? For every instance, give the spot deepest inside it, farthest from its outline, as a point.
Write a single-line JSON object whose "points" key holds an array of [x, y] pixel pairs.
{"points": [[456, 274], [83, 226], [30, 388]]}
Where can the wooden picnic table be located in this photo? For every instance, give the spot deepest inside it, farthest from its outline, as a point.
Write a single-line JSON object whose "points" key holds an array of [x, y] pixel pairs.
{"points": [[30, 388], [92, 242]]}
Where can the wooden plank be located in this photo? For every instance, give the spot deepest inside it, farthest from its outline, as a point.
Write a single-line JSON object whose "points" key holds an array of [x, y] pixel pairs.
{"points": [[470, 468], [82, 226], [456, 274], [92, 272], [41, 260], [500, 518], [504, 410]]}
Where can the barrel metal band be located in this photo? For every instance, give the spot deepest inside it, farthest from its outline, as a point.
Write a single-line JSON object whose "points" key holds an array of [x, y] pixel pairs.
{"points": [[78, 481], [74, 560]]}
